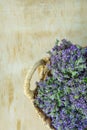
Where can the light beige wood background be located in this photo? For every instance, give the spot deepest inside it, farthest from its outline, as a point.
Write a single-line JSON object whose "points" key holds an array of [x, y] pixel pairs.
{"points": [[28, 29]]}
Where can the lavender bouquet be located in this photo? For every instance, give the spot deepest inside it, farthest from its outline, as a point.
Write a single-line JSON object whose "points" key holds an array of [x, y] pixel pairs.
{"points": [[62, 96]]}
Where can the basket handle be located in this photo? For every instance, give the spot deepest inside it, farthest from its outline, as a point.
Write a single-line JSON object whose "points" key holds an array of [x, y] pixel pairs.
{"points": [[28, 92]]}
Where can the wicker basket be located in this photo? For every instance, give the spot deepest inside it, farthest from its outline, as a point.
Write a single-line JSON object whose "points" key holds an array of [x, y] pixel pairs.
{"points": [[31, 94]]}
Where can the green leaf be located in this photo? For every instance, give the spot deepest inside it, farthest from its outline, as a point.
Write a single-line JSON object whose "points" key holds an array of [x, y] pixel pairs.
{"points": [[66, 103], [58, 100], [49, 52], [85, 79], [80, 67], [76, 97], [59, 128], [78, 46], [52, 97], [53, 112], [50, 80], [57, 42], [79, 61], [74, 73], [68, 110], [68, 90]]}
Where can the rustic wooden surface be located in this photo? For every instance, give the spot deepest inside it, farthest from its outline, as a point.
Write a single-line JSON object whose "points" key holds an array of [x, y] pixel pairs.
{"points": [[28, 29]]}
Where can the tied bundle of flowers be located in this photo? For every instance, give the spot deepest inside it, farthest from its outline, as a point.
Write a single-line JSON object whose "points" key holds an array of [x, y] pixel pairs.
{"points": [[62, 95]]}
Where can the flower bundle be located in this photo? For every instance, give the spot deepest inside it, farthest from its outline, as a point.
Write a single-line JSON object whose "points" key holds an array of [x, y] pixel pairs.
{"points": [[62, 96]]}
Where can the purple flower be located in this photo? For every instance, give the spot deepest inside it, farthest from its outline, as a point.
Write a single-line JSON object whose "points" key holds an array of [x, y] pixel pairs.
{"points": [[62, 95]]}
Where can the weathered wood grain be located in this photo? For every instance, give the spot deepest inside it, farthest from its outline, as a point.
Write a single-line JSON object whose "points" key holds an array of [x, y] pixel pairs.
{"points": [[28, 29]]}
